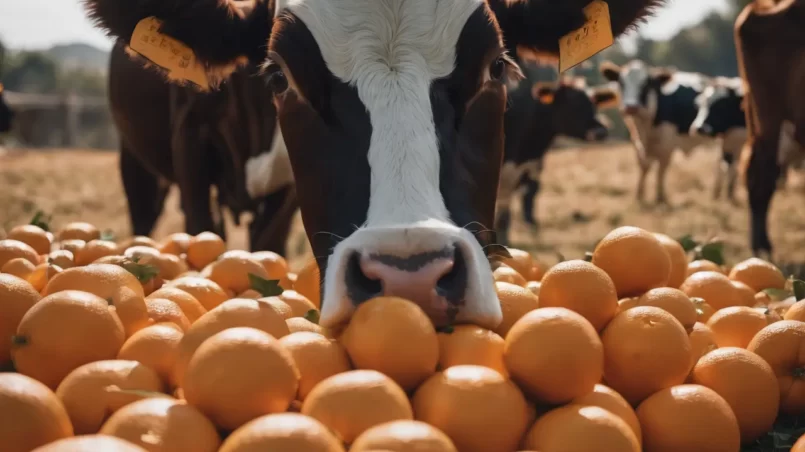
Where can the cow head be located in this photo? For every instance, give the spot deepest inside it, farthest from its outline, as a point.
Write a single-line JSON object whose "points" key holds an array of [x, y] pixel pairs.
{"points": [[638, 84], [392, 112], [720, 108], [574, 107], [5, 113]]}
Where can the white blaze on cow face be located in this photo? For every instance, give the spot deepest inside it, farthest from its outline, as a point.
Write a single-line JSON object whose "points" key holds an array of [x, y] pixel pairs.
{"points": [[269, 171], [633, 79], [391, 52]]}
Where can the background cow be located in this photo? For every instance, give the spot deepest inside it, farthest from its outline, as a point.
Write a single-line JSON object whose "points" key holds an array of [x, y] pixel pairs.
{"points": [[770, 41], [6, 114], [721, 115], [536, 116], [392, 113], [172, 134], [658, 106]]}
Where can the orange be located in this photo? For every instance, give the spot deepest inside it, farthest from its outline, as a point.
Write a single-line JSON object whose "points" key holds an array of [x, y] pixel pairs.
{"points": [[504, 273], [316, 357], [19, 267], [85, 390], [142, 254], [627, 303], [282, 432], [230, 314], [280, 306], [240, 374], [515, 302], [204, 248], [747, 383], [16, 298], [287, 281], [568, 368], [520, 260], [461, 401], [534, 287], [138, 240], [90, 443], [799, 446], [679, 259], [351, 402], [156, 346], [688, 418], [736, 326], [175, 243], [298, 324], [161, 310], [702, 340], [298, 303], [758, 274], [275, 265], [42, 274], [581, 428], [795, 312], [471, 344], [646, 350], [232, 272], [537, 271], [703, 265], [170, 266], [703, 310], [250, 293], [32, 235], [188, 303], [161, 424], [403, 436], [770, 315], [208, 293], [581, 287], [73, 246], [79, 231], [393, 336], [62, 258], [94, 250], [745, 294], [64, 331], [634, 259], [606, 398], [780, 344], [673, 301], [10, 249], [30, 414], [715, 288], [308, 282]]}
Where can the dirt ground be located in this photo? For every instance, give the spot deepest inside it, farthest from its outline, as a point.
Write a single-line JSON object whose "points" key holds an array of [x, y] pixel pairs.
{"points": [[586, 193]]}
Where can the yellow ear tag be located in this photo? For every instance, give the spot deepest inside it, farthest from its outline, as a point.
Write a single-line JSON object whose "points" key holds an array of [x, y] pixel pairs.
{"points": [[546, 98], [593, 37], [168, 53], [1, 88]]}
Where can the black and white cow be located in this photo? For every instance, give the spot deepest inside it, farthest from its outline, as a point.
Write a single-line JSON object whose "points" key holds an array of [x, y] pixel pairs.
{"points": [[535, 117], [658, 107], [392, 115], [721, 115]]}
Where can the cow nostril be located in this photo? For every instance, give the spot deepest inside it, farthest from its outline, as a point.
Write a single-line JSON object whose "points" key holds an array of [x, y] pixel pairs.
{"points": [[359, 286], [452, 284]]}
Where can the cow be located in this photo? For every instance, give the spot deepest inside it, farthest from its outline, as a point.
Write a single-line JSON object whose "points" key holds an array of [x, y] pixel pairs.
{"points": [[392, 114], [172, 134], [770, 43], [6, 114], [720, 114], [532, 122], [658, 107]]}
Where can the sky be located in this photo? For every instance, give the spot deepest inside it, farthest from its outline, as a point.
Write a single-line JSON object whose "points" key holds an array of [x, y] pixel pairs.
{"points": [[38, 24]]}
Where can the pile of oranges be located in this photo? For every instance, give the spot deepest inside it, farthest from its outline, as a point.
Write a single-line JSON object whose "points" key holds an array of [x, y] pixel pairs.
{"points": [[181, 345]]}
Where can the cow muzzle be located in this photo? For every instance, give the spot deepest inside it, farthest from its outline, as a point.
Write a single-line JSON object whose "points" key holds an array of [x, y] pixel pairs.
{"points": [[631, 109], [439, 267]]}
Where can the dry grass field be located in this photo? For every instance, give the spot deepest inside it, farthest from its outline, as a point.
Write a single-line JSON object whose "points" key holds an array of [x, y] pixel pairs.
{"points": [[586, 192]]}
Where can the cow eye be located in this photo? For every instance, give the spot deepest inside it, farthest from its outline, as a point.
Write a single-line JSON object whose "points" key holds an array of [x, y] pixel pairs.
{"points": [[497, 68], [277, 82]]}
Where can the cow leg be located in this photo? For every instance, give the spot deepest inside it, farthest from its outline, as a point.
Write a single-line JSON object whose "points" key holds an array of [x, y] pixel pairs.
{"points": [[502, 225], [719, 179], [193, 170], [664, 161], [732, 178], [272, 223], [529, 199], [762, 173], [144, 193]]}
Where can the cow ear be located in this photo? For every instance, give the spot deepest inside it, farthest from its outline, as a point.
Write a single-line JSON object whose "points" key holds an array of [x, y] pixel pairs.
{"points": [[610, 71], [212, 37], [605, 97], [544, 92], [662, 76], [539, 24]]}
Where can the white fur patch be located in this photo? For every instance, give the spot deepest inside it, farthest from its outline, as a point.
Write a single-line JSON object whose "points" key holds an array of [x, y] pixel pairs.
{"points": [[633, 75], [391, 51], [269, 171]]}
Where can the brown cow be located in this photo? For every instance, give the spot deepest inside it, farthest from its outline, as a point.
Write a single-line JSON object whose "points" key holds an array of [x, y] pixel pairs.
{"points": [[770, 40], [392, 113], [172, 134]]}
